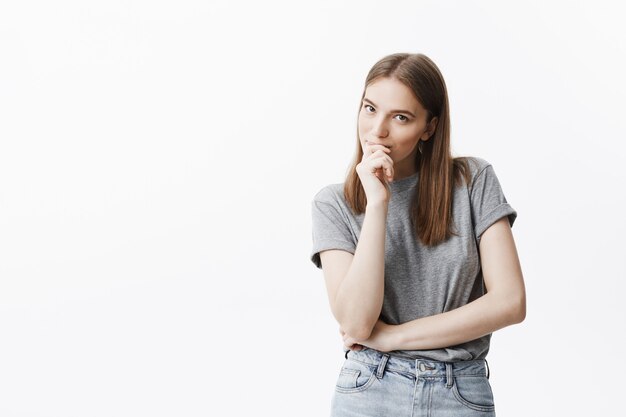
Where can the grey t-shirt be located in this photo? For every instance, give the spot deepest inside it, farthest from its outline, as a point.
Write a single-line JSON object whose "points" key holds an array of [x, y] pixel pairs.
{"points": [[421, 281]]}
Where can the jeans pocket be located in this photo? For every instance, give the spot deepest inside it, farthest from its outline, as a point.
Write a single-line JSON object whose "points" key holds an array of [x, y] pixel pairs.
{"points": [[474, 392], [355, 376]]}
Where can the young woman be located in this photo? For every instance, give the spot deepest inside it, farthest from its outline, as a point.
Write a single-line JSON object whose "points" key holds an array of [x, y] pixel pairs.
{"points": [[417, 254]]}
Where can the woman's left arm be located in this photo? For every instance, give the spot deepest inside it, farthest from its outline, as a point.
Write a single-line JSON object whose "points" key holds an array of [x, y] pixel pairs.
{"points": [[504, 303]]}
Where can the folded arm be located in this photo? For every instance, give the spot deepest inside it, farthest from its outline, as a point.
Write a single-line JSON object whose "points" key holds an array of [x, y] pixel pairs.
{"points": [[356, 283], [504, 303]]}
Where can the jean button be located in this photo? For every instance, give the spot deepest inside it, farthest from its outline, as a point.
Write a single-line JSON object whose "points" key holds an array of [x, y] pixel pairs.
{"points": [[422, 367]]}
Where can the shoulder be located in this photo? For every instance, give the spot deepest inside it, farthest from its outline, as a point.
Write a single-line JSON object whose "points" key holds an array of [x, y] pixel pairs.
{"points": [[477, 167], [330, 194]]}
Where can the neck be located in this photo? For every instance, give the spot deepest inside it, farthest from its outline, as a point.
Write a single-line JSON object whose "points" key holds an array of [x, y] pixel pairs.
{"points": [[404, 171]]}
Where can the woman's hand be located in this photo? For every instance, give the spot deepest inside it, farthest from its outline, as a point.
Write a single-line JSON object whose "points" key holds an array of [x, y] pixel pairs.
{"points": [[349, 342], [374, 170], [382, 338]]}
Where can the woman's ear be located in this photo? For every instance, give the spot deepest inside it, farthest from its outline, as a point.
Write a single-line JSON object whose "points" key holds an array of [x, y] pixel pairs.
{"points": [[430, 130]]}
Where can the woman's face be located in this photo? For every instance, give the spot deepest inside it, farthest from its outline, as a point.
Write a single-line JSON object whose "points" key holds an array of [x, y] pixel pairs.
{"points": [[391, 116]]}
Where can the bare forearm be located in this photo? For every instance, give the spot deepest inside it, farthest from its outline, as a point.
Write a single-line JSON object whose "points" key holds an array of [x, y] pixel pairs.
{"points": [[360, 294], [471, 321]]}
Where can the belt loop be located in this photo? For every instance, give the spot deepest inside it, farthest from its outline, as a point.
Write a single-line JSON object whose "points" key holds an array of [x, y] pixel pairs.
{"points": [[448, 375], [381, 366], [487, 365]]}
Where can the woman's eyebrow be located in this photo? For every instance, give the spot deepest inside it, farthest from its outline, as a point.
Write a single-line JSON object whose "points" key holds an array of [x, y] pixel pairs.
{"points": [[392, 111]]}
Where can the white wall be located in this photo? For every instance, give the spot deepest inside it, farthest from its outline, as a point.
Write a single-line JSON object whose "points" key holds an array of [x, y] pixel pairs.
{"points": [[157, 164]]}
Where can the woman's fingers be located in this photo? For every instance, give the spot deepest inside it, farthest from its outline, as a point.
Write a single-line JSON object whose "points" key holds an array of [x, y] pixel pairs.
{"points": [[349, 342], [375, 171], [382, 152], [374, 147], [384, 165], [382, 162]]}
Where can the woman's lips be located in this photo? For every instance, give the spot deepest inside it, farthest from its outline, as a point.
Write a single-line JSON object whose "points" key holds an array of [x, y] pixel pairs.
{"points": [[374, 143]]}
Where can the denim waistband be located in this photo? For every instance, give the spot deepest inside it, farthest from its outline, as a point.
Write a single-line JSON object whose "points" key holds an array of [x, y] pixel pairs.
{"points": [[419, 367]]}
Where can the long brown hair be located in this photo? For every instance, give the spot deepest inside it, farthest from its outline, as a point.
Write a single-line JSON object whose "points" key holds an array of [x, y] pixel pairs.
{"points": [[439, 172]]}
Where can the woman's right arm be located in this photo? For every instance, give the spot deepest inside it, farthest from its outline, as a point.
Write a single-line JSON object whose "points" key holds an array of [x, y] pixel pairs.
{"points": [[355, 283]]}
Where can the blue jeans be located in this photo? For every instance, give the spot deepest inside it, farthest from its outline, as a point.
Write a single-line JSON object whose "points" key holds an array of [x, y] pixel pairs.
{"points": [[374, 383]]}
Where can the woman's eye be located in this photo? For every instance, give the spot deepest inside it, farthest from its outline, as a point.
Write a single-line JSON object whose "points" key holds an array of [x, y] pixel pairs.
{"points": [[405, 118], [366, 106]]}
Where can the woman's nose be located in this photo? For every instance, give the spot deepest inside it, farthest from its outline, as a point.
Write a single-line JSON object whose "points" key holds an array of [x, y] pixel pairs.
{"points": [[379, 128]]}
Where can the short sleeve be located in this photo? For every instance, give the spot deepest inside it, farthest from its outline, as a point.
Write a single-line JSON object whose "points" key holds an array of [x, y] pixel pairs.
{"points": [[488, 202], [330, 230]]}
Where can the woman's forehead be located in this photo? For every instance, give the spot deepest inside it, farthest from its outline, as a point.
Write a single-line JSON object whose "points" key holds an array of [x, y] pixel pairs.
{"points": [[391, 94]]}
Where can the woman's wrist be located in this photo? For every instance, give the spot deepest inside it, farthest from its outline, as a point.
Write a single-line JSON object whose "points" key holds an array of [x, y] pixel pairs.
{"points": [[396, 337], [377, 205]]}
